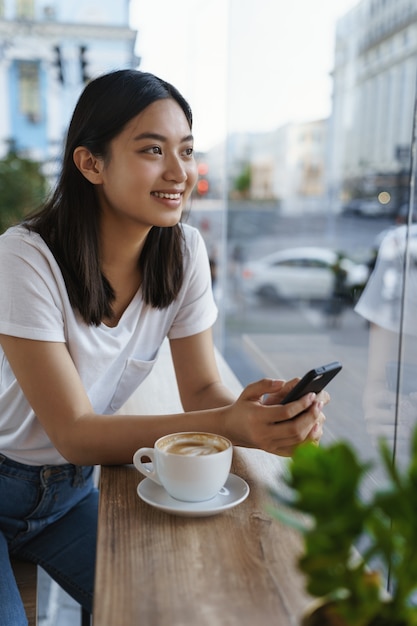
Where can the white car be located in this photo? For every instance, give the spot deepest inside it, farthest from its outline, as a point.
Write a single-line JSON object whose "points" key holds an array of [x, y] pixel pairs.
{"points": [[301, 273]]}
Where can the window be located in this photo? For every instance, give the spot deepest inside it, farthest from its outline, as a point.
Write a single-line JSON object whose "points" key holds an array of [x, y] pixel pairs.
{"points": [[344, 195], [29, 91], [25, 9]]}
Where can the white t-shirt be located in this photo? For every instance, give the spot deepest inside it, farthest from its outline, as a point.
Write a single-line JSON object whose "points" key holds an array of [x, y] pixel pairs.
{"points": [[390, 302], [112, 362], [390, 296]]}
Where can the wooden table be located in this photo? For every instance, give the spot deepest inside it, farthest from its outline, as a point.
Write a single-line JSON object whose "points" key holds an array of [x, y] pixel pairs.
{"points": [[158, 569]]}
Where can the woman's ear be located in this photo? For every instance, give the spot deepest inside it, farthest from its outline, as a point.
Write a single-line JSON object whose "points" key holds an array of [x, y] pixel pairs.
{"points": [[89, 165]]}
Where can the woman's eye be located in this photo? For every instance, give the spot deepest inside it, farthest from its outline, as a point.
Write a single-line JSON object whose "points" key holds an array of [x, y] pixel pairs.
{"points": [[153, 150], [189, 151]]}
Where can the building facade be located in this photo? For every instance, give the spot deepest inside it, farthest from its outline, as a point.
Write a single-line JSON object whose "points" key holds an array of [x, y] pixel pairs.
{"points": [[286, 166], [374, 92], [49, 49], [363, 150]]}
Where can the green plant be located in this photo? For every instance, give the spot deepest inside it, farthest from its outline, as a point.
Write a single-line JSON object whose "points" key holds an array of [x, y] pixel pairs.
{"points": [[325, 487], [243, 182], [22, 187]]}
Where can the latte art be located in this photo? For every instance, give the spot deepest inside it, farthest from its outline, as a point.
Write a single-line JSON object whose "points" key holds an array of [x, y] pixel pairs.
{"points": [[199, 445], [191, 466], [192, 449]]}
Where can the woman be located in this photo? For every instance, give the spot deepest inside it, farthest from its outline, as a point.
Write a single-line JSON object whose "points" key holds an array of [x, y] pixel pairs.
{"points": [[91, 285], [388, 304]]}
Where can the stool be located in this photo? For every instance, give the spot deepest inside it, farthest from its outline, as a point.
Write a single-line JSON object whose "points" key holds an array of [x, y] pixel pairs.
{"points": [[26, 575]]}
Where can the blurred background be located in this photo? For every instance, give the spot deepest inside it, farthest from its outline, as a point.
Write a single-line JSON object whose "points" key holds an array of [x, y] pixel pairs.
{"points": [[304, 131], [304, 135]]}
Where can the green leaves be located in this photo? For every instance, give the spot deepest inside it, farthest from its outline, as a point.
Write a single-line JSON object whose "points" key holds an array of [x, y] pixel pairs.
{"points": [[326, 504], [22, 188]]}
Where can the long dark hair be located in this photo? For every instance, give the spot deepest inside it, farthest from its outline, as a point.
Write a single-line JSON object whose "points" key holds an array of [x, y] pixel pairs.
{"points": [[69, 220]]}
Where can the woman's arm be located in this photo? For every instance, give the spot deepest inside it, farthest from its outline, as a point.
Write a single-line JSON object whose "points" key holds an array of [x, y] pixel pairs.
{"points": [[200, 386], [199, 382], [53, 388]]}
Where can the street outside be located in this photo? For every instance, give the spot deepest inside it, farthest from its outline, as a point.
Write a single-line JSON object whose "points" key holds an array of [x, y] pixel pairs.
{"points": [[285, 339]]}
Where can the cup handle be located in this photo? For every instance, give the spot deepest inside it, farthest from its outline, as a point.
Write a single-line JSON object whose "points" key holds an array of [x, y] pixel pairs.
{"points": [[149, 472]]}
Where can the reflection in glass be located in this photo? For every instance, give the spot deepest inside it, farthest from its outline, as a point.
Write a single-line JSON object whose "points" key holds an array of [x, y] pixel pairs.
{"points": [[339, 184]]}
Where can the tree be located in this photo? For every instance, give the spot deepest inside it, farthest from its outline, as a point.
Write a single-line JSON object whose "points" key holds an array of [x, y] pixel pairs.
{"points": [[243, 182], [23, 186]]}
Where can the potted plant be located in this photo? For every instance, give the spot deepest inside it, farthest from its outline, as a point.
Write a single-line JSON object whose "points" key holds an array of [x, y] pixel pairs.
{"points": [[325, 488]]}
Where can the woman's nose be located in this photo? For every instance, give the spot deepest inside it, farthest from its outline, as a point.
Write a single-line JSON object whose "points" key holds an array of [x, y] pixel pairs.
{"points": [[175, 170]]}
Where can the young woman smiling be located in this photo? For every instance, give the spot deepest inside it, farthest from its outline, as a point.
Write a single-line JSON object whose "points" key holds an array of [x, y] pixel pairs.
{"points": [[91, 285]]}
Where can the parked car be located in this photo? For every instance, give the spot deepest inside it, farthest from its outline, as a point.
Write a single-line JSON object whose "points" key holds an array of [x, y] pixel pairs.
{"points": [[366, 207], [306, 273]]}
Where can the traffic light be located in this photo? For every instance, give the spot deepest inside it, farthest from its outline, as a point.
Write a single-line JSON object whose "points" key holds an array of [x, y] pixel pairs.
{"points": [[58, 63], [202, 187], [83, 64], [202, 183]]}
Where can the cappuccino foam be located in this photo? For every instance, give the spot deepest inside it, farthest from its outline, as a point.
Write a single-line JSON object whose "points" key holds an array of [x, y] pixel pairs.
{"points": [[193, 445]]}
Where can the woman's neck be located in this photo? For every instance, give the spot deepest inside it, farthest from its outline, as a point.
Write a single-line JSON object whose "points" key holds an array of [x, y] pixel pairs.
{"points": [[120, 253]]}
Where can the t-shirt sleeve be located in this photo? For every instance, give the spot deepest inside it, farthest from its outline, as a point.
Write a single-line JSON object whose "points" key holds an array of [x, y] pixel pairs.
{"points": [[390, 301], [30, 302], [198, 310]]}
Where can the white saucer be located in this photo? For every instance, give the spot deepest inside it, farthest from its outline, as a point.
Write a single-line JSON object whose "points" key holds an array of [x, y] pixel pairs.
{"points": [[233, 493]]}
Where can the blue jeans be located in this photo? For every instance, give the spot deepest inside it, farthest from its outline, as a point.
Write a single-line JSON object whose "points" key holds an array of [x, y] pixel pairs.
{"points": [[48, 515]]}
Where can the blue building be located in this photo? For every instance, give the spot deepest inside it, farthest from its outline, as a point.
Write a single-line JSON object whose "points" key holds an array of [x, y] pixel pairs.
{"points": [[49, 49]]}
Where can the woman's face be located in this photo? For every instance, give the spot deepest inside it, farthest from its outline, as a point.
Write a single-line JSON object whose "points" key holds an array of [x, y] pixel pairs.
{"points": [[150, 172]]}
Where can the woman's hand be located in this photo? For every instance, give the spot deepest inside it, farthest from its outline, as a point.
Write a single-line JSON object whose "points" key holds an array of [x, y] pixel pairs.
{"points": [[257, 419]]}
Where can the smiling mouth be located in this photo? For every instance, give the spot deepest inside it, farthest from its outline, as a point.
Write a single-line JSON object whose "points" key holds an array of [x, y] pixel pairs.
{"points": [[168, 196]]}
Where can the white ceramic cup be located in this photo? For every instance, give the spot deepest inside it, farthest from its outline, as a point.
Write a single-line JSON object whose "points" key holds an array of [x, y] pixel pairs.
{"points": [[191, 466]]}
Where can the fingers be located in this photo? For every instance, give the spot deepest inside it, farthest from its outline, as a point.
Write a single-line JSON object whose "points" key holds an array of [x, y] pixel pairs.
{"points": [[262, 388], [278, 396], [293, 409], [324, 397], [316, 432], [282, 436], [258, 420]]}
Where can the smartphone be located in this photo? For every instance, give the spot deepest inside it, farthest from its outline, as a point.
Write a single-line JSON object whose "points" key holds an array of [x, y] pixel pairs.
{"points": [[315, 380]]}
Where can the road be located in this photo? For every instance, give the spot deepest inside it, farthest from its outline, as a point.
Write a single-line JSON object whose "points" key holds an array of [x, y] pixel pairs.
{"points": [[286, 339], [261, 234], [271, 232]]}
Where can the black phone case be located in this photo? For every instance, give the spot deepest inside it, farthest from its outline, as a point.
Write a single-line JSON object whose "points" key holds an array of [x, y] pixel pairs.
{"points": [[315, 380]]}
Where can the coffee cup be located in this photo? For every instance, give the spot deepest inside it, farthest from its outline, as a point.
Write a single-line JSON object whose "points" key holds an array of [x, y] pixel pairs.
{"points": [[191, 466]]}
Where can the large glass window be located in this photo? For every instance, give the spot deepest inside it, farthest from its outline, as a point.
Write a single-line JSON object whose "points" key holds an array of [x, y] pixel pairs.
{"points": [[319, 220], [29, 90], [308, 211]]}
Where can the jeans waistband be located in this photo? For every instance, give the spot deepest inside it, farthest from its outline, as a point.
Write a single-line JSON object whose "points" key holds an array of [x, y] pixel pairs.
{"points": [[46, 473]]}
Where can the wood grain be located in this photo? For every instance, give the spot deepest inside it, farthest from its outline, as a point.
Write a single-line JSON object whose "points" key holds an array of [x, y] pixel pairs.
{"points": [[238, 567]]}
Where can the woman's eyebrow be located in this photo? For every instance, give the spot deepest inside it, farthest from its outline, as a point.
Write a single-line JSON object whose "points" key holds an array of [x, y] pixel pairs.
{"points": [[158, 137]]}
